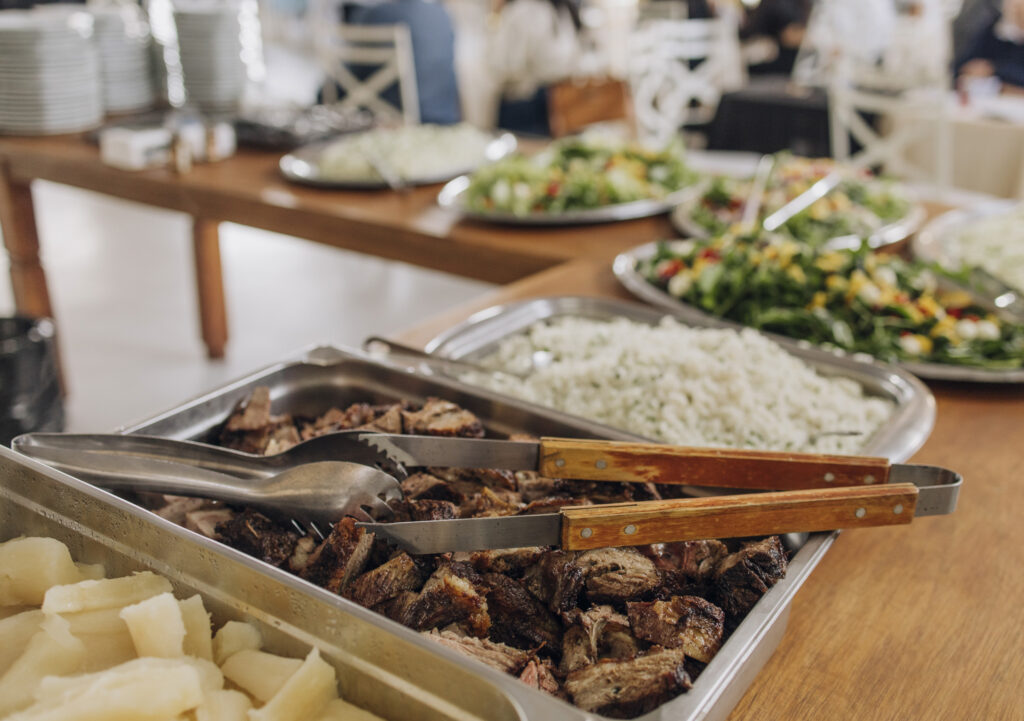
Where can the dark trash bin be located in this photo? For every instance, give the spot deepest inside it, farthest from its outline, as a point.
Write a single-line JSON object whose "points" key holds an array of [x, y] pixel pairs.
{"points": [[30, 392]]}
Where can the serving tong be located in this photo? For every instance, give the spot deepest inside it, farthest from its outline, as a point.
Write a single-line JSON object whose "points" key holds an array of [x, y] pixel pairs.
{"points": [[311, 485]]}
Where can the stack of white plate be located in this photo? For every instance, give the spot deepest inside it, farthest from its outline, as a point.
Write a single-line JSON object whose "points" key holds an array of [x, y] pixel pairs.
{"points": [[49, 73], [123, 40], [209, 42]]}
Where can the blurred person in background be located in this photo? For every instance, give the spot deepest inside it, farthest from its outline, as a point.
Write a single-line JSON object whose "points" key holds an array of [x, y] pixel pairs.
{"points": [[534, 43], [433, 50], [780, 23], [995, 58]]}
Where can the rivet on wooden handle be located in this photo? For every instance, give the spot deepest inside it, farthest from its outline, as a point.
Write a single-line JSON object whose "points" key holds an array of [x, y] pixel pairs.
{"points": [[720, 467], [753, 514]]}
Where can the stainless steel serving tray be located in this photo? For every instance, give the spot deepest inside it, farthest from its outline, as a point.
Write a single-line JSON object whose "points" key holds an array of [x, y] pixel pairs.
{"points": [[328, 376], [452, 197], [905, 432], [382, 667], [302, 165], [624, 268], [888, 234]]}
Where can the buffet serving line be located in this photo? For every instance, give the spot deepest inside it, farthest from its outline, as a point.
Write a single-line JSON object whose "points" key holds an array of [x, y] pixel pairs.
{"points": [[548, 590]]}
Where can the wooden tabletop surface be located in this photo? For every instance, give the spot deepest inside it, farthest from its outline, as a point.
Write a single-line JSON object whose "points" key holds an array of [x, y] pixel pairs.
{"points": [[907, 622], [249, 189]]}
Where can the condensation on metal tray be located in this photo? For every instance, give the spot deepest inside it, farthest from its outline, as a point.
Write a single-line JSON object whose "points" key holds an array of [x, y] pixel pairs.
{"points": [[328, 376], [898, 439]]}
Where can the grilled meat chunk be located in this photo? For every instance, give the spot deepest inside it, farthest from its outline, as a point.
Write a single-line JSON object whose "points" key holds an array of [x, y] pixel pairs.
{"points": [[697, 559], [511, 562], [623, 689], [252, 413], [517, 617], [686, 622], [442, 418], [428, 486], [386, 581], [743, 577], [252, 428], [177, 508], [386, 419], [253, 533], [617, 575], [448, 598], [423, 510], [496, 655], [557, 580], [340, 558], [206, 520]]}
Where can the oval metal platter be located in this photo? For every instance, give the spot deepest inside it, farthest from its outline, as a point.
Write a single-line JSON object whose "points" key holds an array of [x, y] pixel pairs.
{"points": [[624, 268], [303, 166], [888, 234], [452, 197]]}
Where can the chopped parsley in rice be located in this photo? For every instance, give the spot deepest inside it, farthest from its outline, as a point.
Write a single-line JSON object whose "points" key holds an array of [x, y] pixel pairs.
{"points": [[686, 386]]}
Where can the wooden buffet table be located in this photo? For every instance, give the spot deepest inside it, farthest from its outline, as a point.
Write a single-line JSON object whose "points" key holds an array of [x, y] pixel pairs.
{"points": [[248, 189], [908, 622]]}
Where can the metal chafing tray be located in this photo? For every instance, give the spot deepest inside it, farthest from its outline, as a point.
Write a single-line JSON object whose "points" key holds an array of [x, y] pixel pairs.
{"points": [[329, 376], [898, 439], [382, 667]]}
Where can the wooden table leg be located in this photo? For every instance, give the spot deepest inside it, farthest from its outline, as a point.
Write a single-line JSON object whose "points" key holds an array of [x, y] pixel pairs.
{"points": [[21, 238], [18, 221], [213, 316]]}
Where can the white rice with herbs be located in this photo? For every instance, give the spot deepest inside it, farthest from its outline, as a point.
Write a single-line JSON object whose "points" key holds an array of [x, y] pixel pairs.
{"points": [[687, 386]]}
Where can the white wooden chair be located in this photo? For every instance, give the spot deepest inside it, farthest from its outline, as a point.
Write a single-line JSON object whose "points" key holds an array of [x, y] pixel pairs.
{"points": [[385, 48], [678, 70]]}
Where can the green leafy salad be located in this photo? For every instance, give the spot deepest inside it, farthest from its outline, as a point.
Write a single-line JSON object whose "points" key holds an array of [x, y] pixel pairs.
{"points": [[857, 300], [578, 174], [859, 206]]}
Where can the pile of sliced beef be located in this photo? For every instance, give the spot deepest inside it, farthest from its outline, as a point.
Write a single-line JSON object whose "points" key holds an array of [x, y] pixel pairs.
{"points": [[616, 631]]}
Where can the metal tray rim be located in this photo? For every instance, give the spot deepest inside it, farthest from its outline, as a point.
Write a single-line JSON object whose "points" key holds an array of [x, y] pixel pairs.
{"points": [[624, 268]]}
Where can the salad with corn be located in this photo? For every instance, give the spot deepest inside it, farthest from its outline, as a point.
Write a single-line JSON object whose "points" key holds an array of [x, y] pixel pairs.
{"points": [[579, 174], [856, 300], [859, 206]]}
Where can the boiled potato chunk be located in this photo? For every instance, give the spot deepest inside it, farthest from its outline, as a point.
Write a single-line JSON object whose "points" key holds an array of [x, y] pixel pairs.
{"points": [[198, 632], [338, 710], [52, 650], [235, 636], [146, 689], [15, 633], [258, 673], [304, 695], [29, 566], [105, 593], [224, 706], [91, 571], [156, 626]]}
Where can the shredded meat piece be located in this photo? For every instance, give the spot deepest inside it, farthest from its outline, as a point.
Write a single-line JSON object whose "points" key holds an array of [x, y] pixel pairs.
{"points": [[688, 622], [623, 689], [442, 418], [597, 633], [206, 520], [496, 655], [540, 675], [177, 508]]}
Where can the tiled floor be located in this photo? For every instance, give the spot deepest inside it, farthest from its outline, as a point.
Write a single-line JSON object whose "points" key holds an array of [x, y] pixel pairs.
{"points": [[121, 281]]}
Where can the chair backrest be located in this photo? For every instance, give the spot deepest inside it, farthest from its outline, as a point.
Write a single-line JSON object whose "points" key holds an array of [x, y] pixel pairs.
{"points": [[902, 121], [678, 70], [574, 105], [387, 51]]}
